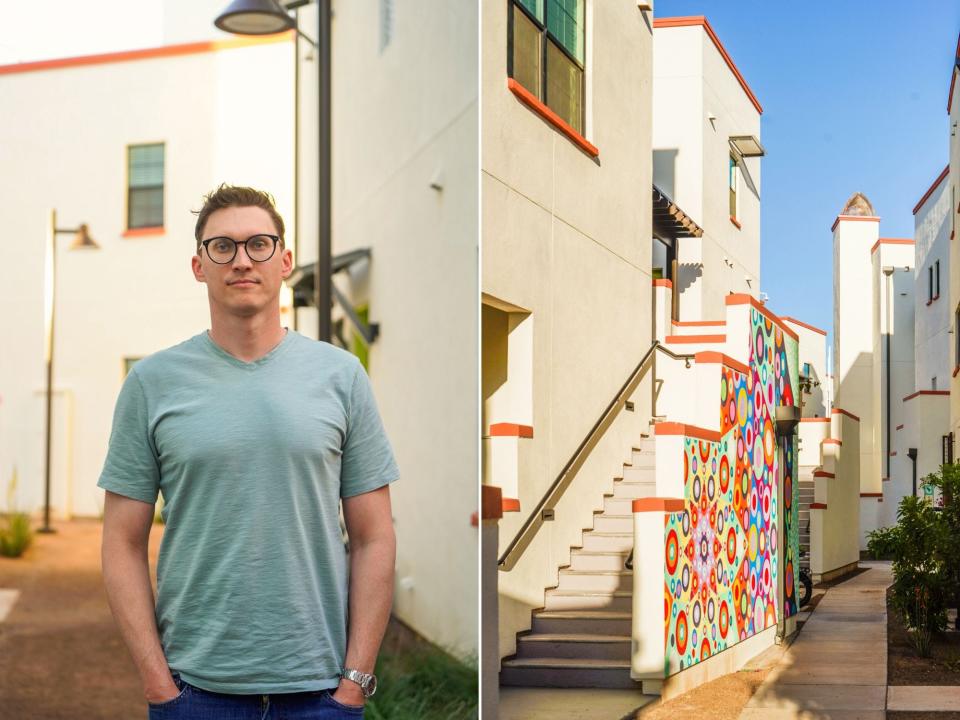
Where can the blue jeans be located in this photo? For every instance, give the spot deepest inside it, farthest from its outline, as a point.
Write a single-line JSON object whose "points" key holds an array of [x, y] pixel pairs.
{"points": [[194, 703]]}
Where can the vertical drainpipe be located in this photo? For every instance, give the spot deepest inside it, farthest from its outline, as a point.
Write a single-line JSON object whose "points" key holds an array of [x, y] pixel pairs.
{"points": [[888, 271]]}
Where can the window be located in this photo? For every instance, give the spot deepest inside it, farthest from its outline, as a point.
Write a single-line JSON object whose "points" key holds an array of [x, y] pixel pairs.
{"points": [[145, 186], [733, 180], [545, 54], [936, 275], [929, 284]]}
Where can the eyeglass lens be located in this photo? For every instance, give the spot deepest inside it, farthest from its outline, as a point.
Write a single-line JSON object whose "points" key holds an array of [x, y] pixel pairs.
{"points": [[259, 248]]}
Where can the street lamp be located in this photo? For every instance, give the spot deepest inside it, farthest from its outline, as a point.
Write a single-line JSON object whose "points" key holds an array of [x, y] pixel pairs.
{"points": [[82, 240], [265, 17]]}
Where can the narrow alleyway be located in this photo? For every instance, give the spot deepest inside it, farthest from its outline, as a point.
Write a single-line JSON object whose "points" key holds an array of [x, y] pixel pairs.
{"points": [[837, 667]]}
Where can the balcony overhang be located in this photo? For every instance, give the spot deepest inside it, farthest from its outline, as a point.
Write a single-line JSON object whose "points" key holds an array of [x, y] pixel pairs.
{"points": [[670, 220], [747, 146]]}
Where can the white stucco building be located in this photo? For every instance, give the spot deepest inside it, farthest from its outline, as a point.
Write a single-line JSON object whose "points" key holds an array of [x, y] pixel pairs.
{"points": [[129, 142]]}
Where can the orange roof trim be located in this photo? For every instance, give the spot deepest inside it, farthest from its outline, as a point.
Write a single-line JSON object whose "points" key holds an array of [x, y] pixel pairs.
{"points": [[890, 241], [491, 502], [711, 356], [744, 299], [683, 339], [854, 218], [803, 324], [929, 192], [504, 429], [695, 20], [691, 431], [926, 392], [145, 54], [841, 411], [655, 504]]}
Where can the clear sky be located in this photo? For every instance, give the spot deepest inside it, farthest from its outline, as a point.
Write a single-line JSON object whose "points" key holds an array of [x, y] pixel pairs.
{"points": [[854, 98]]}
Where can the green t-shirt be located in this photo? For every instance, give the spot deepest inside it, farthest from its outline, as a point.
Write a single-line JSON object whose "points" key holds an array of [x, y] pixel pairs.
{"points": [[252, 460]]}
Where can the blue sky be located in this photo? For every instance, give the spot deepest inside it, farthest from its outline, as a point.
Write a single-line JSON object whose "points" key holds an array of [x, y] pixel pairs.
{"points": [[854, 98]]}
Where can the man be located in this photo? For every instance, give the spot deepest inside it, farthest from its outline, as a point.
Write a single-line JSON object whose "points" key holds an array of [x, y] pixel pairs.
{"points": [[254, 434]]}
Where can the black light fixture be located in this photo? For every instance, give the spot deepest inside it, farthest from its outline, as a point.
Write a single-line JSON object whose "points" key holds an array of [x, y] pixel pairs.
{"points": [[254, 17], [81, 241], [264, 17]]}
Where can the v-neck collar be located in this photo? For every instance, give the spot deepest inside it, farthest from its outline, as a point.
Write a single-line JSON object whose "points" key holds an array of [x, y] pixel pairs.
{"points": [[274, 352]]}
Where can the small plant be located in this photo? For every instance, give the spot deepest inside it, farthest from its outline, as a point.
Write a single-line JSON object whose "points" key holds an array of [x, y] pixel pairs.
{"points": [[15, 534], [424, 682], [947, 481], [882, 542]]}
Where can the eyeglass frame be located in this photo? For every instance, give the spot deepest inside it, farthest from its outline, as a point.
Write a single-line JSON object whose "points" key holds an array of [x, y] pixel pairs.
{"points": [[236, 246]]}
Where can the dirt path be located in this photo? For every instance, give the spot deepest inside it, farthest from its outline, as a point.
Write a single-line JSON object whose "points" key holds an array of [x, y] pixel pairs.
{"points": [[61, 657]]}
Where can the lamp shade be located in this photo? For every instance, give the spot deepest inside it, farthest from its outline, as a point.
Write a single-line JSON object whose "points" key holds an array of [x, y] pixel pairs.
{"points": [[83, 241], [254, 17]]}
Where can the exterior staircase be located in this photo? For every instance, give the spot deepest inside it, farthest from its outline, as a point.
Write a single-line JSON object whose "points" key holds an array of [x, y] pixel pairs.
{"points": [[581, 637], [805, 477]]}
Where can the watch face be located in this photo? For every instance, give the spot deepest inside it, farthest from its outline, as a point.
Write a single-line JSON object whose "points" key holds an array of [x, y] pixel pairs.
{"points": [[370, 686]]}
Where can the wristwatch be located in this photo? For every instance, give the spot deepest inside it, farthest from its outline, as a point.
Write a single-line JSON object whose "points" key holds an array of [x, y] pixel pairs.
{"points": [[366, 681]]}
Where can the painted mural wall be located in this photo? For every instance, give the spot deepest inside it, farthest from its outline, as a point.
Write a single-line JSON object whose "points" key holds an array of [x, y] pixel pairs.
{"points": [[722, 566]]}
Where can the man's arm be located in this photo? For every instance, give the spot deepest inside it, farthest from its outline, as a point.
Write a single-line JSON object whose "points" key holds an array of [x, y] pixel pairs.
{"points": [[126, 575], [372, 557]]}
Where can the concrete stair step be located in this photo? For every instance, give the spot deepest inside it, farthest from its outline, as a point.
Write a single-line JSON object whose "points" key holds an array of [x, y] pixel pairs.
{"points": [[613, 523], [643, 458], [599, 622], [634, 490], [613, 505], [640, 473], [608, 541], [597, 560], [596, 580], [557, 599], [574, 645], [567, 672]]}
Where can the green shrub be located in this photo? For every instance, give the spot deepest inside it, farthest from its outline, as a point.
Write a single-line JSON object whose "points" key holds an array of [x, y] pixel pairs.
{"points": [[16, 537], [15, 533], [882, 542], [920, 577], [424, 682], [947, 481]]}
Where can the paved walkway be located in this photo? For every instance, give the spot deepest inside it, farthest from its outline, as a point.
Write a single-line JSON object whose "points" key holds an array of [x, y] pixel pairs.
{"points": [[569, 703], [837, 667]]}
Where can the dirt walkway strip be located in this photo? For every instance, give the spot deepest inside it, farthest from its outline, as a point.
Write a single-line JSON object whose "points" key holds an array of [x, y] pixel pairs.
{"points": [[838, 664]]}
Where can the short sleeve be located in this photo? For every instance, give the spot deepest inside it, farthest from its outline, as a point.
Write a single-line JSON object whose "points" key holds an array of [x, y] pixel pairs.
{"points": [[131, 467], [367, 462]]}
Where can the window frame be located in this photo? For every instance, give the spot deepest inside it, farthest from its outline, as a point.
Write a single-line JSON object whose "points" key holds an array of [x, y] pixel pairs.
{"points": [[130, 188], [733, 187], [546, 37]]}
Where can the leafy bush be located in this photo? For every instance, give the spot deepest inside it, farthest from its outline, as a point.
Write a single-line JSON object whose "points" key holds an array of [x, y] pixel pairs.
{"points": [[882, 542], [15, 535], [424, 682], [947, 481]]}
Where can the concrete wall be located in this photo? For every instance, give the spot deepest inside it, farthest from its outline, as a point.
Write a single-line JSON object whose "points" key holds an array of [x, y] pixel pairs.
{"points": [[65, 148], [813, 345], [833, 534], [566, 239], [698, 105]]}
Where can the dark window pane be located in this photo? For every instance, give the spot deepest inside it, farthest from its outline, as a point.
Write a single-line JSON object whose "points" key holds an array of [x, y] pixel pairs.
{"points": [[146, 165], [534, 6], [146, 207], [565, 23], [733, 186], [564, 87], [526, 52]]}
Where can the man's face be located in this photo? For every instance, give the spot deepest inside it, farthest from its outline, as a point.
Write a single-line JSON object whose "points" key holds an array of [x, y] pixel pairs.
{"points": [[242, 287]]}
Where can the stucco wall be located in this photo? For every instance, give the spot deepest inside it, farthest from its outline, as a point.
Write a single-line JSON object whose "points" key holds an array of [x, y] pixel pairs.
{"points": [[566, 238], [66, 149], [932, 224]]}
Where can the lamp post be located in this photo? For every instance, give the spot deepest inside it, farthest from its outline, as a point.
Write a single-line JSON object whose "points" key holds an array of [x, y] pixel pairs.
{"points": [[82, 240], [266, 17]]}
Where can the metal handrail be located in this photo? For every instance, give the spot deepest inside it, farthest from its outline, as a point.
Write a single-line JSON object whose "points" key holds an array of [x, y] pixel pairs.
{"points": [[535, 519]]}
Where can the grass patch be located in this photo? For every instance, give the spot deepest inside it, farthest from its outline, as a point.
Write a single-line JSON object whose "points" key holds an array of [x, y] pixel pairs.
{"points": [[418, 680]]}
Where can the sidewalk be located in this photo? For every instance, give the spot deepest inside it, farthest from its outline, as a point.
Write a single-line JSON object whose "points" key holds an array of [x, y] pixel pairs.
{"points": [[837, 667]]}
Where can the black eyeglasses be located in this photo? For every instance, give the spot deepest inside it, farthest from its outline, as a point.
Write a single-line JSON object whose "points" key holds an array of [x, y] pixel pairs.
{"points": [[223, 250]]}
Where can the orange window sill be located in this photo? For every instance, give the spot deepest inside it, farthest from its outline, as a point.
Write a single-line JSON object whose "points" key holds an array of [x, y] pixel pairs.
{"points": [[734, 221], [534, 103], [141, 232]]}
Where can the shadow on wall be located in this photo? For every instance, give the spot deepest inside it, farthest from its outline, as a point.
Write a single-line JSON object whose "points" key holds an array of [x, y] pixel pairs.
{"points": [[687, 275]]}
